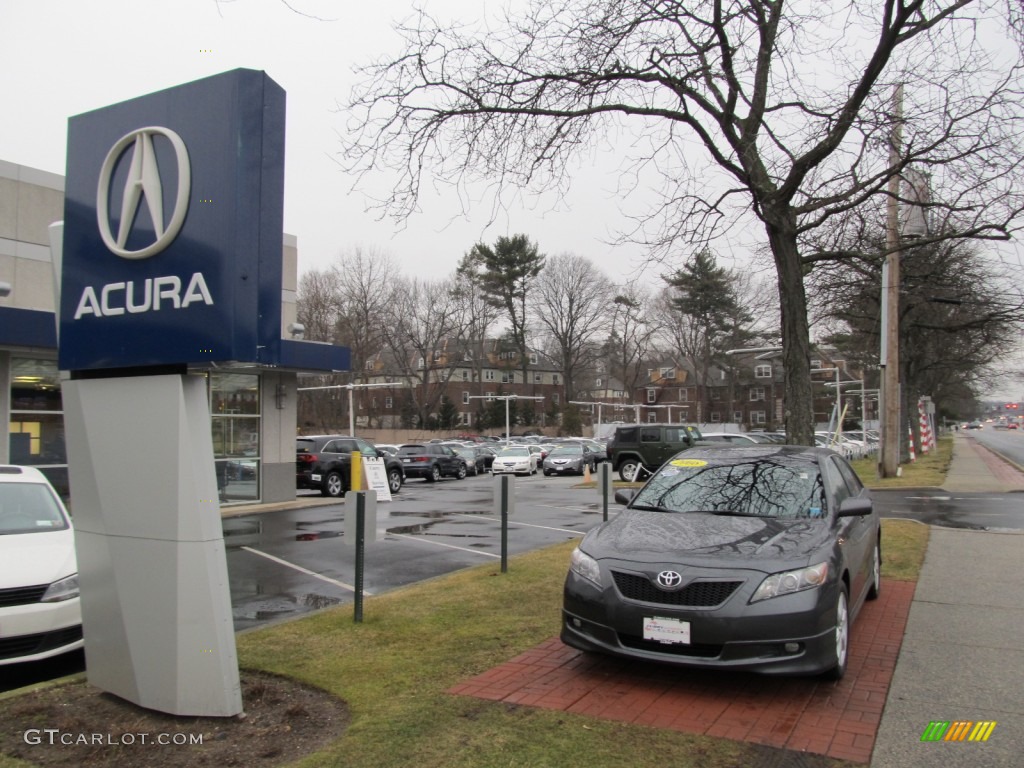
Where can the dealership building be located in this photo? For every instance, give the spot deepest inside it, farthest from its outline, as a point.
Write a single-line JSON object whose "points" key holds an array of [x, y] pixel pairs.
{"points": [[252, 407]]}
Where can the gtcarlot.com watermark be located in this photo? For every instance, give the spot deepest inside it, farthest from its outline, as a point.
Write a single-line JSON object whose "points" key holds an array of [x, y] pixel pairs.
{"points": [[57, 737]]}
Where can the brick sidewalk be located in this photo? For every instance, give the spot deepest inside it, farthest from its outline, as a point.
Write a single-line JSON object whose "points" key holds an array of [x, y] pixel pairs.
{"points": [[838, 719]]}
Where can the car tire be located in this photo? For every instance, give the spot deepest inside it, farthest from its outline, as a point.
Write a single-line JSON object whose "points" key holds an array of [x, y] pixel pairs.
{"points": [[333, 485], [546, 473], [395, 480], [875, 577], [461, 474], [628, 470], [840, 636], [435, 474]]}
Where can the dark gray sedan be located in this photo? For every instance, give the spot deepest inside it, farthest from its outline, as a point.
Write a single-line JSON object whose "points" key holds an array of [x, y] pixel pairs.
{"points": [[569, 458], [745, 558]]}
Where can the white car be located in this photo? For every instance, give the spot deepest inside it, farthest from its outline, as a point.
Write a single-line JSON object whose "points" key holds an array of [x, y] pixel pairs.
{"points": [[40, 614], [517, 460]]}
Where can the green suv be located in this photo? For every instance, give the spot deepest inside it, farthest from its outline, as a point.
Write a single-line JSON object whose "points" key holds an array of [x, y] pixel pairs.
{"points": [[637, 450]]}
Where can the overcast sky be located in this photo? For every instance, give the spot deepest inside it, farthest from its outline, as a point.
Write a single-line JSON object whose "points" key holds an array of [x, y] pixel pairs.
{"points": [[64, 57]]}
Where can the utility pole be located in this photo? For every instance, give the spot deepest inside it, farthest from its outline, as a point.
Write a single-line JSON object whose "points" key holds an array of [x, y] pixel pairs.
{"points": [[890, 353]]}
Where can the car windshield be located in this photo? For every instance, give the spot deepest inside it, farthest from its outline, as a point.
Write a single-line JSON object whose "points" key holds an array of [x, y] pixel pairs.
{"points": [[567, 450], [745, 483], [523, 451], [29, 508]]}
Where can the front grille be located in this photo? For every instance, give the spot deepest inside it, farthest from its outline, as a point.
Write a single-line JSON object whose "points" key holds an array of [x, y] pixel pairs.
{"points": [[22, 595], [696, 594], [28, 645]]}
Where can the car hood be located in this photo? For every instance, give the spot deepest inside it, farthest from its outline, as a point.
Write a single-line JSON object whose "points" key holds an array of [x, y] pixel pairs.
{"points": [[655, 537], [28, 559]]}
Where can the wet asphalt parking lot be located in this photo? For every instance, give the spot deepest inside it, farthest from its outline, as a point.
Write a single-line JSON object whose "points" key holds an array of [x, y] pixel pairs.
{"points": [[284, 564]]}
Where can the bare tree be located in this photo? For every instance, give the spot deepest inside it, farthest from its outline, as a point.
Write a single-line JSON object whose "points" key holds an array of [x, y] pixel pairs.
{"points": [[571, 303], [318, 308], [365, 280], [960, 315], [318, 304], [777, 109], [423, 339]]}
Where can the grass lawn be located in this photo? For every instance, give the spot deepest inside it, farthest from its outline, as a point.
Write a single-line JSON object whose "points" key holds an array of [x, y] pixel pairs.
{"points": [[928, 471], [415, 643]]}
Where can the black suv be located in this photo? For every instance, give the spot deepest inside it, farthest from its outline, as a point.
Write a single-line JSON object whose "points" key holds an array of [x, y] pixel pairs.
{"points": [[637, 450], [324, 463], [431, 461]]}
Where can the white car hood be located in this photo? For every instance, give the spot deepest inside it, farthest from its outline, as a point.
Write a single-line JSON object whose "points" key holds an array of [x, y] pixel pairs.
{"points": [[28, 559]]}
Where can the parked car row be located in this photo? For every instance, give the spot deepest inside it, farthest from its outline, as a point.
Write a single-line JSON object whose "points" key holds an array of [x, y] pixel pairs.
{"points": [[324, 462]]}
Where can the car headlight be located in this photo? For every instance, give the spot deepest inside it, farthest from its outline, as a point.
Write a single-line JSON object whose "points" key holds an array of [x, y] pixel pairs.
{"points": [[787, 582], [585, 566], [65, 589]]}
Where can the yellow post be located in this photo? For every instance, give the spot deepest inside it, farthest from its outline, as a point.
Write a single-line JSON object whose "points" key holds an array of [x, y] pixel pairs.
{"points": [[357, 471]]}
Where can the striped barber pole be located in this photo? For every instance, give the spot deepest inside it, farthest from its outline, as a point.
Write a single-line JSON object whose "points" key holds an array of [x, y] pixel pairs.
{"points": [[910, 441], [926, 427]]}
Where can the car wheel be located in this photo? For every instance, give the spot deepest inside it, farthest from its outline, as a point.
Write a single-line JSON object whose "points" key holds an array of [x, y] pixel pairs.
{"points": [[629, 470], [461, 474], [546, 473], [875, 586], [435, 474], [395, 479], [333, 485], [840, 636]]}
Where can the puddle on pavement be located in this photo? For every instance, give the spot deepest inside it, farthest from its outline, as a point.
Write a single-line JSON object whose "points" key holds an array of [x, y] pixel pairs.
{"points": [[423, 529], [283, 605]]}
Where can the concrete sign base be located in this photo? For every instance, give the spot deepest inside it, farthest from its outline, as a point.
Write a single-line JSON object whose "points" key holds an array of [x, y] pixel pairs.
{"points": [[156, 607]]}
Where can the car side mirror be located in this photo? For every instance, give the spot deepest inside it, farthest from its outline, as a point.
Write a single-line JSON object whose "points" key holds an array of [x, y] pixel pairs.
{"points": [[856, 507], [625, 495]]}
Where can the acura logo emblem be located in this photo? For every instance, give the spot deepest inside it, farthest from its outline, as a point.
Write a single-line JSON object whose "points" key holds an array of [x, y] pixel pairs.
{"points": [[143, 182], [669, 579]]}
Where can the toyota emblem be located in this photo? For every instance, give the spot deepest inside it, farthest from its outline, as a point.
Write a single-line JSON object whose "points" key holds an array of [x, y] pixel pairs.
{"points": [[669, 580]]}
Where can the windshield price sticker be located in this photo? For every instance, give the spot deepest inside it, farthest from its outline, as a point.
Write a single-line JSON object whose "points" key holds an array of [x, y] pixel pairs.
{"points": [[688, 463], [668, 631]]}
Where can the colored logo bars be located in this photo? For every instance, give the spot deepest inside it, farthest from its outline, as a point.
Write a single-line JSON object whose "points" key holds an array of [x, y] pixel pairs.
{"points": [[958, 730]]}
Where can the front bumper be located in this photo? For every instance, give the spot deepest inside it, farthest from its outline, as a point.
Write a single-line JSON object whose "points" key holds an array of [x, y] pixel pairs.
{"points": [[574, 468], [511, 469], [787, 635], [39, 630]]}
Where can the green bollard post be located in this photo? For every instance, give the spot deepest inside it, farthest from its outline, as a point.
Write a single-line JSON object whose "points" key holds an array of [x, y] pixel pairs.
{"points": [[360, 554]]}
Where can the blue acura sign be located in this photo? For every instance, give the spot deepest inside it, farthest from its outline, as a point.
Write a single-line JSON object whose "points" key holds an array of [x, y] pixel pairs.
{"points": [[172, 228]]}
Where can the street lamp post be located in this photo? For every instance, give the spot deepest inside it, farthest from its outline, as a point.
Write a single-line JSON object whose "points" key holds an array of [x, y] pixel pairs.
{"points": [[506, 398]]}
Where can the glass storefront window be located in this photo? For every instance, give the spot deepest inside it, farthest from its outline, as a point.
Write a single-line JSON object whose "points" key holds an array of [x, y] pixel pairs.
{"points": [[35, 385], [36, 429], [235, 417]]}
